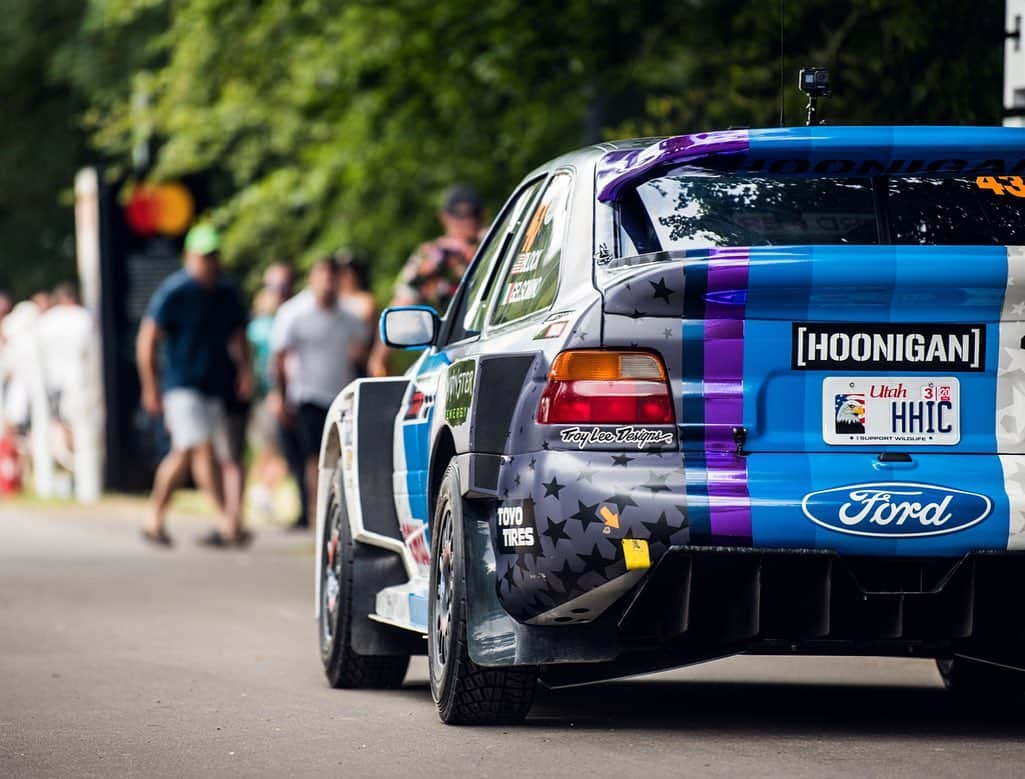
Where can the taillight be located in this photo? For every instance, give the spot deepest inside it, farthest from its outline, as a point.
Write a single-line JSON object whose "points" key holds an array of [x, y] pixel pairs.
{"points": [[606, 387]]}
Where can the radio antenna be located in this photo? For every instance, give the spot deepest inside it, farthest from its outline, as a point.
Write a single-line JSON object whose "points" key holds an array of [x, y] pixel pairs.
{"points": [[781, 66]]}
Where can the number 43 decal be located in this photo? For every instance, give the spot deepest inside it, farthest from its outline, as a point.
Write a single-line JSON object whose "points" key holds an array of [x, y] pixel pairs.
{"points": [[1002, 185]]}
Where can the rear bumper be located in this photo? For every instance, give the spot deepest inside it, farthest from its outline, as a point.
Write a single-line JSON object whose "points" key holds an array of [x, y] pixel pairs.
{"points": [[563, 519], [809, 598], [700, 603]]}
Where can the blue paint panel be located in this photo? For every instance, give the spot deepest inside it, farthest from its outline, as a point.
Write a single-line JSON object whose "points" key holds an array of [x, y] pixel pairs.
{"points": [[778, 483], [973, 144], [876, 283], [835, 269], [416, 446], [779, 282], [822, 142], [418, 610], [433, 362], [768, 380], [782, 407], [414, 441], [949, 283]]}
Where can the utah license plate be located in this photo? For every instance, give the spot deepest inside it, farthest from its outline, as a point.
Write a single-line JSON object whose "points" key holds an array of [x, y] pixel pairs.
{"points": [[887, 410]]}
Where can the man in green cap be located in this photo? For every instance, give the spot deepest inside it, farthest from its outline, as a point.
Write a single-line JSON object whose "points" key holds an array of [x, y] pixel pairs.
{"points": [[196, 320]]}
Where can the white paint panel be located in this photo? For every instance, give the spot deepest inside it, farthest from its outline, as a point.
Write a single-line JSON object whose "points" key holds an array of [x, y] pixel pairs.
{"points": [[1014, 486], [1010, 421]]}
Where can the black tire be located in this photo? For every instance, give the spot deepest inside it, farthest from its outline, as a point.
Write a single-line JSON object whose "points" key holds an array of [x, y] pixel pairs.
{"points": [[343, 666], [465, 693], [981, 681]]}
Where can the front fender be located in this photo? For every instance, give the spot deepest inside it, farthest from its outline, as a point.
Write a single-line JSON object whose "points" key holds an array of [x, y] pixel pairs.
{"points": [[352, 443]]}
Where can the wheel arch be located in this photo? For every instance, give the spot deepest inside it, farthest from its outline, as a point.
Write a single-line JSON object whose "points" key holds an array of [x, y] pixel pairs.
{"points": [[442, 453], [331, 447]]}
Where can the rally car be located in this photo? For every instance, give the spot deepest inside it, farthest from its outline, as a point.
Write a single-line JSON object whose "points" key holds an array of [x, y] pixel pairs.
{"points": [[743, 391]]}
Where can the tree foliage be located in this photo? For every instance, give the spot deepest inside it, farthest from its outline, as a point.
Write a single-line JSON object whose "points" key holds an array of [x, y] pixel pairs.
{"points": [[57, 63], [39, 145], [323, 123]]}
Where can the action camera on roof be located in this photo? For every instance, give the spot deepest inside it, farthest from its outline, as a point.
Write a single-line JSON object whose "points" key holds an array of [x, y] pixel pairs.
{"points": [[814, 82]]}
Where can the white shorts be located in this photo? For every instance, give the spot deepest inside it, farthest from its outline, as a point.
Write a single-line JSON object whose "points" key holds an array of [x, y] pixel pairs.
{"points": [[193, 419]]}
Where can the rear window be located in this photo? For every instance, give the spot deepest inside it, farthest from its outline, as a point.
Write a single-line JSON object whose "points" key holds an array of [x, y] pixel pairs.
{"points": [[700, 209]]}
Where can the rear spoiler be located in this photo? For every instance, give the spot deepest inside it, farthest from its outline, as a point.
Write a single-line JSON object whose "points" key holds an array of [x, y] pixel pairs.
{"points": [[821, 151]]}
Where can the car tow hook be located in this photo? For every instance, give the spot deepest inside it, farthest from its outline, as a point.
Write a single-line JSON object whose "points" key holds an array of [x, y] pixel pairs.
{"points": [[740, 438]]}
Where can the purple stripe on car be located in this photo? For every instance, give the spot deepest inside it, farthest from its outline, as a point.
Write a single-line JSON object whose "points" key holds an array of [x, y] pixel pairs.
{"points": [[725, 304]]}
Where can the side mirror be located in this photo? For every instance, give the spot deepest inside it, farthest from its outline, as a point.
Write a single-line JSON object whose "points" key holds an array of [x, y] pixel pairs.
{"points": [[409, 327]]}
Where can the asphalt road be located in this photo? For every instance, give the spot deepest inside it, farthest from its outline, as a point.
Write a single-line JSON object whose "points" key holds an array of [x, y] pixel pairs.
{"points": [[117, 659]]}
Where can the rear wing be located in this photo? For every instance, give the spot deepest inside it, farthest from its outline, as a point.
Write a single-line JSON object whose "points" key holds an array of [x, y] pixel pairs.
{"points": [[821, 151]]}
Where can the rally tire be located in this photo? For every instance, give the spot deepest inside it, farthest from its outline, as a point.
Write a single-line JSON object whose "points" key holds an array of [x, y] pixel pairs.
{"points": [[465, 693], [975, 680], [342, 665]]}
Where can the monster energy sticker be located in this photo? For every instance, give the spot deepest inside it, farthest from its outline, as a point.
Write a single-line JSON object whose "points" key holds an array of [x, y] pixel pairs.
{"points": [[459, 394]]}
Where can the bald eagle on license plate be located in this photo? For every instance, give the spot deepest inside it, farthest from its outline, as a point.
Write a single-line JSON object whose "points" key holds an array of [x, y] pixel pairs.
{"points": [[850, 413]]}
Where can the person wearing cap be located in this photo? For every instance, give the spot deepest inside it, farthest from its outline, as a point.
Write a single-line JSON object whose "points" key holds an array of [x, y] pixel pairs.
{"points": [[196, 319], [432, 274]]}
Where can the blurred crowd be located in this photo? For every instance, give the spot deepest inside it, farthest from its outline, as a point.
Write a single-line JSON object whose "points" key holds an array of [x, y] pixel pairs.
{"points": [[241, 388], [227, 378], [51, 397]]}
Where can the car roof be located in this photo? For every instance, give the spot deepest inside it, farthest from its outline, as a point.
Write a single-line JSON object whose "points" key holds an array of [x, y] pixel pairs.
{"points": [[832, 151]]}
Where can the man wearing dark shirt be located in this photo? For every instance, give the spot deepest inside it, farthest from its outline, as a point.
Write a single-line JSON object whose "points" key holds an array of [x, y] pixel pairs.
{"points": [[432, 274], [197, 321]]}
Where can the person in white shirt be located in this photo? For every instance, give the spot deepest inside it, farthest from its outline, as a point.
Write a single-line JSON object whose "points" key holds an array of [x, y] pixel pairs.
{"points": [[69, 343], [323, 343], [25, 400], [6, 304]]}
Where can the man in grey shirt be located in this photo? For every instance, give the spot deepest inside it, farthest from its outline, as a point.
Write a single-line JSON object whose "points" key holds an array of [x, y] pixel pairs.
{"points": [[315, 345]]}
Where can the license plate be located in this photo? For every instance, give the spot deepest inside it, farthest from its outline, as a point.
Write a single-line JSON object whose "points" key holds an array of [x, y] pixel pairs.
{"points": [[866, 410]]}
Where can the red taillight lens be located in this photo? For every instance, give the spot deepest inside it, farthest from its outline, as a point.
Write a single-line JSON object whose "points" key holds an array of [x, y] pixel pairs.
{"points": [[603, 387]]}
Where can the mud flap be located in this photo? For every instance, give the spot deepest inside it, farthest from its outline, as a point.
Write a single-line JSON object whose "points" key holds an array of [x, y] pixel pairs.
{"points": [[374, 569], [495, 638]]}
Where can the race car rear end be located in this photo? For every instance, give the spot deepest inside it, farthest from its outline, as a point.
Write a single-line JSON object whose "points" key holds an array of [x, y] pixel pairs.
{"points": [[747, 391], [838, 318]]}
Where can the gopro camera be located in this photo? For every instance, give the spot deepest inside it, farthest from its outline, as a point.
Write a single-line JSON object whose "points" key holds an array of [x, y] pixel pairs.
{"points": [[814, 82]]}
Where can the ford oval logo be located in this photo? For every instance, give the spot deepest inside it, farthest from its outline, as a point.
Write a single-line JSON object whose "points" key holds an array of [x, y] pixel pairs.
{"points": [[895, 509]]}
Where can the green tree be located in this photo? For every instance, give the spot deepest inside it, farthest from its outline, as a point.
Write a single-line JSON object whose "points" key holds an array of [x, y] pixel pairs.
{"points": [[59, 63], [340, 122], [892, 62], [40, 146], [321, 123]]}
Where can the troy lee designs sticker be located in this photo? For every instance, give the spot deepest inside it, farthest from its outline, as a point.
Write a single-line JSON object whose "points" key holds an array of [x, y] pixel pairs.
{"points": [[641, 437]]}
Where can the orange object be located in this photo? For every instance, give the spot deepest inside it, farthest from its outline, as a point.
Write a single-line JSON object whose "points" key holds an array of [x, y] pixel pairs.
{"points": [[611, 517], [598, 365], [174, 209], [164, 209]]}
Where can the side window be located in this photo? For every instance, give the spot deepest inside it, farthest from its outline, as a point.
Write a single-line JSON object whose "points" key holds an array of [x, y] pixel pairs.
{"points": [[473, 305], [530, 277]]}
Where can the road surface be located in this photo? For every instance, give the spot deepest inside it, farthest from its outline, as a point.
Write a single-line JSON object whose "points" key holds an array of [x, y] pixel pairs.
{"points": [[117, 659]]}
